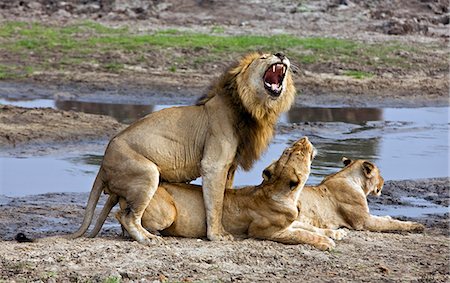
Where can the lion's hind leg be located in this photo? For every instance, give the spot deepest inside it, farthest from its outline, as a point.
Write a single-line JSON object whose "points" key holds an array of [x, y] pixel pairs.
{"points": [[335, 234], [135, 180], [386, 223], [293, 235]]}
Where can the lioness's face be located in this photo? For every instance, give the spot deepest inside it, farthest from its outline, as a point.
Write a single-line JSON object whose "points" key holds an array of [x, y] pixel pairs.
{"points": [[269, 74], [373, 182], [289, 173]]}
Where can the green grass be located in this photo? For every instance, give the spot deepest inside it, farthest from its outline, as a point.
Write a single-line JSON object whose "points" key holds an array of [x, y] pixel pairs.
{"points": [[11, 71], [112, 279], [114, 67], [4, 74], [49, 274], [73, 45]]}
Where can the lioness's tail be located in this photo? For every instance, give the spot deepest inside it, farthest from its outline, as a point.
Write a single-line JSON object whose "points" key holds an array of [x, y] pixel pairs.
{"points": [[94, 196]]}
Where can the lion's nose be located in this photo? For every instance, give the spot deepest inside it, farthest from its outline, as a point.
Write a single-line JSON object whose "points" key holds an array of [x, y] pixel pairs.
{"points": [[280, 55]]}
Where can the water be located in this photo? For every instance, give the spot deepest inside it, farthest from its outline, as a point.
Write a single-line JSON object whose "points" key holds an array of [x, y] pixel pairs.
{"points": [[417, 207], [404, 143], [44, 174]]}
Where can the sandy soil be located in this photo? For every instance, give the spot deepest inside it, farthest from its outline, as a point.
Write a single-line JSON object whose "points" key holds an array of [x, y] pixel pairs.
{"points": [[361, 257]]}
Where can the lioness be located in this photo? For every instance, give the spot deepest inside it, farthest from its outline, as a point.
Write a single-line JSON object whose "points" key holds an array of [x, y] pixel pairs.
{"points": [[266, 211], [230, 127], [340, 200]]}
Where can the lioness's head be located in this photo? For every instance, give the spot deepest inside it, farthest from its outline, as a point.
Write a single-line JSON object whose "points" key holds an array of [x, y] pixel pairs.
{"points": [[372, 180], [288, 175]]}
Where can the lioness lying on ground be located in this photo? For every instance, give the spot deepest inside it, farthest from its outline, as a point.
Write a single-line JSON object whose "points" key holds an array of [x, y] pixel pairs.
{"points": [[340, 200], [267, 211], [230, 127]]}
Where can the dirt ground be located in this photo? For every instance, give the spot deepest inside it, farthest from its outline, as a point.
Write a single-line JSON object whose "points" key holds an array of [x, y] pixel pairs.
{"points": [[422, 81], [361, 257]]}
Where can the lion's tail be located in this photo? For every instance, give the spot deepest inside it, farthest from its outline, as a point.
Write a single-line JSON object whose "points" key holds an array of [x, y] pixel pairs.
{"points": [[112, 200], [94, 196]]}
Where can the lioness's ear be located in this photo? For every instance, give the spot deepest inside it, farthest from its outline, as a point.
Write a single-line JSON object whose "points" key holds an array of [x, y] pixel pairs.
{"points": [[268, 172], [368, 169], [346, 161]]}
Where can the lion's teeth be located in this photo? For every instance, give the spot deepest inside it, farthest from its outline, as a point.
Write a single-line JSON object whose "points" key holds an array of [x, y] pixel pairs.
{"points": [[273, 68], [284, 69]]}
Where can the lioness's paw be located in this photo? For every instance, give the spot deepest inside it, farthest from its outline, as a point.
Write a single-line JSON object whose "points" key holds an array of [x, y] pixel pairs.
{"points": [[337, 234], [326, 244], [151, 241], [417, 227], [224, 236]]}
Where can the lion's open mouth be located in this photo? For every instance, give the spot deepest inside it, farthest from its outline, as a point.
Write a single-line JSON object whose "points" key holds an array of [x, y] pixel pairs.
{"points": [[273, 79]]}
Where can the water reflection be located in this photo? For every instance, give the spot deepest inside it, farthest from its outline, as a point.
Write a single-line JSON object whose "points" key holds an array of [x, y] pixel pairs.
{"points": [[346, 115], [125, 113], [330, 153]]}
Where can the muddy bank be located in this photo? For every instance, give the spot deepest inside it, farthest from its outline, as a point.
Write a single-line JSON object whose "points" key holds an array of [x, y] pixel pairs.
{"points": [[36, 128], [414, 70], [361, 256]]}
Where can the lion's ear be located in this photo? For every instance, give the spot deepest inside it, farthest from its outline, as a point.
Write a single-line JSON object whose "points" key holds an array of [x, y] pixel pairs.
{"points": [[268, 172], [346, 161], [368, 169]]}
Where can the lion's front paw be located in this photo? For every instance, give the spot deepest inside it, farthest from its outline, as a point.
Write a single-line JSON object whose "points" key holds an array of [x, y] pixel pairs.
{"points": [[325, 244], [337, 234]]}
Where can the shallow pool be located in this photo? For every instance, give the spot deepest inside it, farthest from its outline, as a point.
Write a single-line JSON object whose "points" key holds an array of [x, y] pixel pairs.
{"points": [[405, 143]]}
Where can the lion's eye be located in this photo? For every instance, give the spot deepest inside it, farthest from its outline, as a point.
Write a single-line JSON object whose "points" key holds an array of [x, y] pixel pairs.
{"points": [[263, 57]]}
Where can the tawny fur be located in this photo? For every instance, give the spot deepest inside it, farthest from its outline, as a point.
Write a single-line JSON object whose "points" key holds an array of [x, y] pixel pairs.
{"points": [[340, 200], [267, 211], [231, 127]]}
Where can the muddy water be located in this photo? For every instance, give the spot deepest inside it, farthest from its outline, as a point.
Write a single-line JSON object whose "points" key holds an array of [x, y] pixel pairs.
{"points": [[405, 143]]}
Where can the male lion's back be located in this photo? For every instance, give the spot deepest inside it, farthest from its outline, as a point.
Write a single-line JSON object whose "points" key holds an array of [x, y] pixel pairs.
{"points": [[172, 138]]}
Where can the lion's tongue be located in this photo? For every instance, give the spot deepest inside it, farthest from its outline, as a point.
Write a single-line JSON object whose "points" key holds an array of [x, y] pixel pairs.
{"points": [[275, 87]]}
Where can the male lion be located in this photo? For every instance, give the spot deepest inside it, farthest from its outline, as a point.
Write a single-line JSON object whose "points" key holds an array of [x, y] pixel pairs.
{"points": [[267, 211], [230, 127], [340, 200]]}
